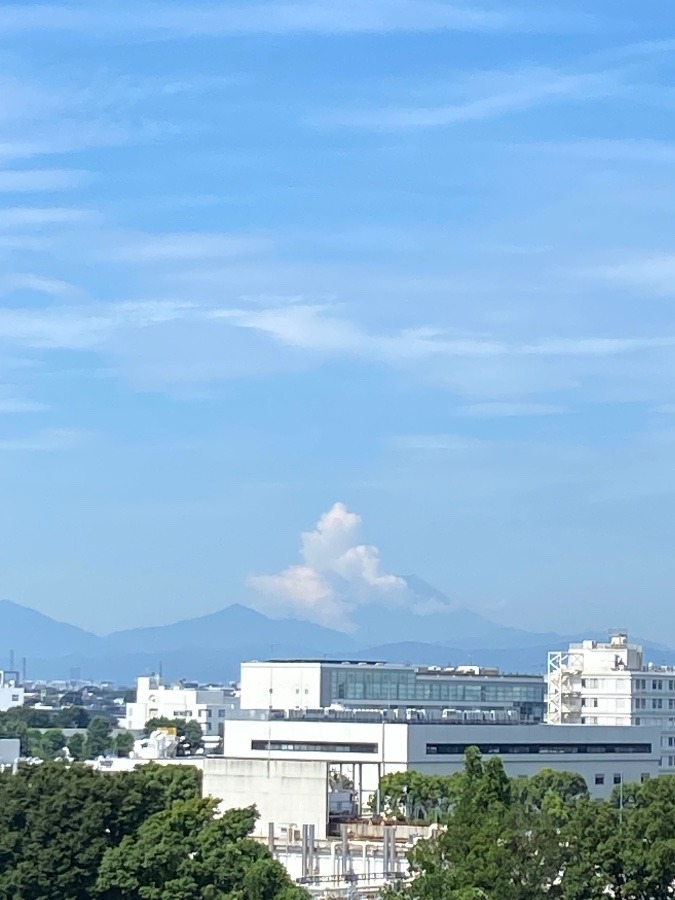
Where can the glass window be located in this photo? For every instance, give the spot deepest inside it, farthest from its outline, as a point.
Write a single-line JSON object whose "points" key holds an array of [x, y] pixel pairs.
{"points": [[599, 779]]}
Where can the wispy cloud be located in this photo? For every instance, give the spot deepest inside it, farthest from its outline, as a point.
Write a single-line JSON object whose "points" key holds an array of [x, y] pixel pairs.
{"points": [[53, 287], [485, 95], [37, 217], [171, 19], [46, 440], [450, 443], [12, 403], [634, 150], [35, 180], [652, 274], [501, 410], [185, 246]]}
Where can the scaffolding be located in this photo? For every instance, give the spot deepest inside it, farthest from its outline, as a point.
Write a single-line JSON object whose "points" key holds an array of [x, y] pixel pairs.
{"points": [[565, 668]]}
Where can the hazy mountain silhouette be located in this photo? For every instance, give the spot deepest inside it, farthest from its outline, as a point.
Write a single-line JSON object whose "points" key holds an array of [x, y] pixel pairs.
{"points": [[30, 633], [228, 629], [210, 647]]}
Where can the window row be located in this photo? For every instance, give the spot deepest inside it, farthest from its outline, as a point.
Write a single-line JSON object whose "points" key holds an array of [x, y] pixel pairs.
{"points": [[617, 778], [533, 749], [314, 746]]}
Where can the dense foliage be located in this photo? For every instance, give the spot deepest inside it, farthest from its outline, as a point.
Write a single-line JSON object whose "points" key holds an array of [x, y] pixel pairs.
{"points": [[41, 735], [70, 833], [520, 839]]}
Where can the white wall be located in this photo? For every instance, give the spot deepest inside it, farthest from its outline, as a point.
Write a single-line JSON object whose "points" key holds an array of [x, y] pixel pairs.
{"points": [[285, 792], [292, 685], [10, 697], [400, 746], [155, 700]]}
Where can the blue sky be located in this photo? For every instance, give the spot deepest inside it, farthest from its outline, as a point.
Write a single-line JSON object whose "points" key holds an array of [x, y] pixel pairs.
{"points": [[412, 256]]}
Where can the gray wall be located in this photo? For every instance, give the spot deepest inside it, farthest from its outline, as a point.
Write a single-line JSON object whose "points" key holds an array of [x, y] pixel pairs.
{"points": [[286, 792]]}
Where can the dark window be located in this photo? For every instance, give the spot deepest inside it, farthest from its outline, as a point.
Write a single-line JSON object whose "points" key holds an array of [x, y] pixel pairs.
{"points": [[644, 777], [313, 746], [617, 778], [460, 749], [599, 779]]}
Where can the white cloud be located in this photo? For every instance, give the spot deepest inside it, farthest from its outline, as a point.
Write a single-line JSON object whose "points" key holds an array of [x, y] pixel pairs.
{"points": [[337, 575]]}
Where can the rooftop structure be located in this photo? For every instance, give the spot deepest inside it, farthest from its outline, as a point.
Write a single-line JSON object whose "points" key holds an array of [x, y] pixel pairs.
{"points": [[608, 683], [154, 700], [317, 684]]}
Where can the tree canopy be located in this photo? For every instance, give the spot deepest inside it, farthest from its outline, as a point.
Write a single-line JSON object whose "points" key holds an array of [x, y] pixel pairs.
{"points": [[68, 832], [520, 839]]}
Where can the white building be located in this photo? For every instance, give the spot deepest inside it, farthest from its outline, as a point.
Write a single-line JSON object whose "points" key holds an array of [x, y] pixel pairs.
{"points": [[207, 706], [11, 692], [367, 749], [596, 683], [317, 684]]}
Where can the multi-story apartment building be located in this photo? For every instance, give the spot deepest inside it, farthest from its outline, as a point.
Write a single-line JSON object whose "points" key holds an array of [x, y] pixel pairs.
{"points": [[466, 692], [154, 700], [596, 683]]}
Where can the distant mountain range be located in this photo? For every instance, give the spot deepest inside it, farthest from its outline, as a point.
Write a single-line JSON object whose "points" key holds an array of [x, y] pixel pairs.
{"points": [[211, 647]]}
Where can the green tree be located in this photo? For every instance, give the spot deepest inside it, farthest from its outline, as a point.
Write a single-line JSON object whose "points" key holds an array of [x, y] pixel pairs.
{"points": [[124, 743], [99, 737], [57, 821], [412, 795], [171, 783], [72, 717], [76, 746], [492, 846], [193, 734], [186, 853], [189, 731]]}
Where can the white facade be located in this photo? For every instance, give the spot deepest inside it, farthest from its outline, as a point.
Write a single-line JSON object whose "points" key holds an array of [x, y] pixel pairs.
{"points": [[317, 684], [366, 750], [11, 692], [208, 707], [596, 683]]}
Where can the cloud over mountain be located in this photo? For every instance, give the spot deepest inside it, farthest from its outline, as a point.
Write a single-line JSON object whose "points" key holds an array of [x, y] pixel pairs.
{"points": [[337, 575]]}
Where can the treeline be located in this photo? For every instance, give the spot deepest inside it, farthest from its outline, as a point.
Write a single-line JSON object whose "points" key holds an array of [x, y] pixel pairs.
{"points": [[41, 735], [70, 833], [520, 839]]}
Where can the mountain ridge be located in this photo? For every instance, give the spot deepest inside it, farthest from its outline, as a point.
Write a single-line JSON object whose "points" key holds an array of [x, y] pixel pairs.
{"points": [[211, 646]]}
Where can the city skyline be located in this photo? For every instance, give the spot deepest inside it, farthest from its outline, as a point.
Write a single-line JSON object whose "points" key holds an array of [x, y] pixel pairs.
{"points": [[405, 260]]}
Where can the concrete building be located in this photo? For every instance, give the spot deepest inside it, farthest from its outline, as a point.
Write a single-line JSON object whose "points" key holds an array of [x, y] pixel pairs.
{"points": [[470, 692], [11, 692], [10, 751], [365, 749], [207, 706], [608, 683]]}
